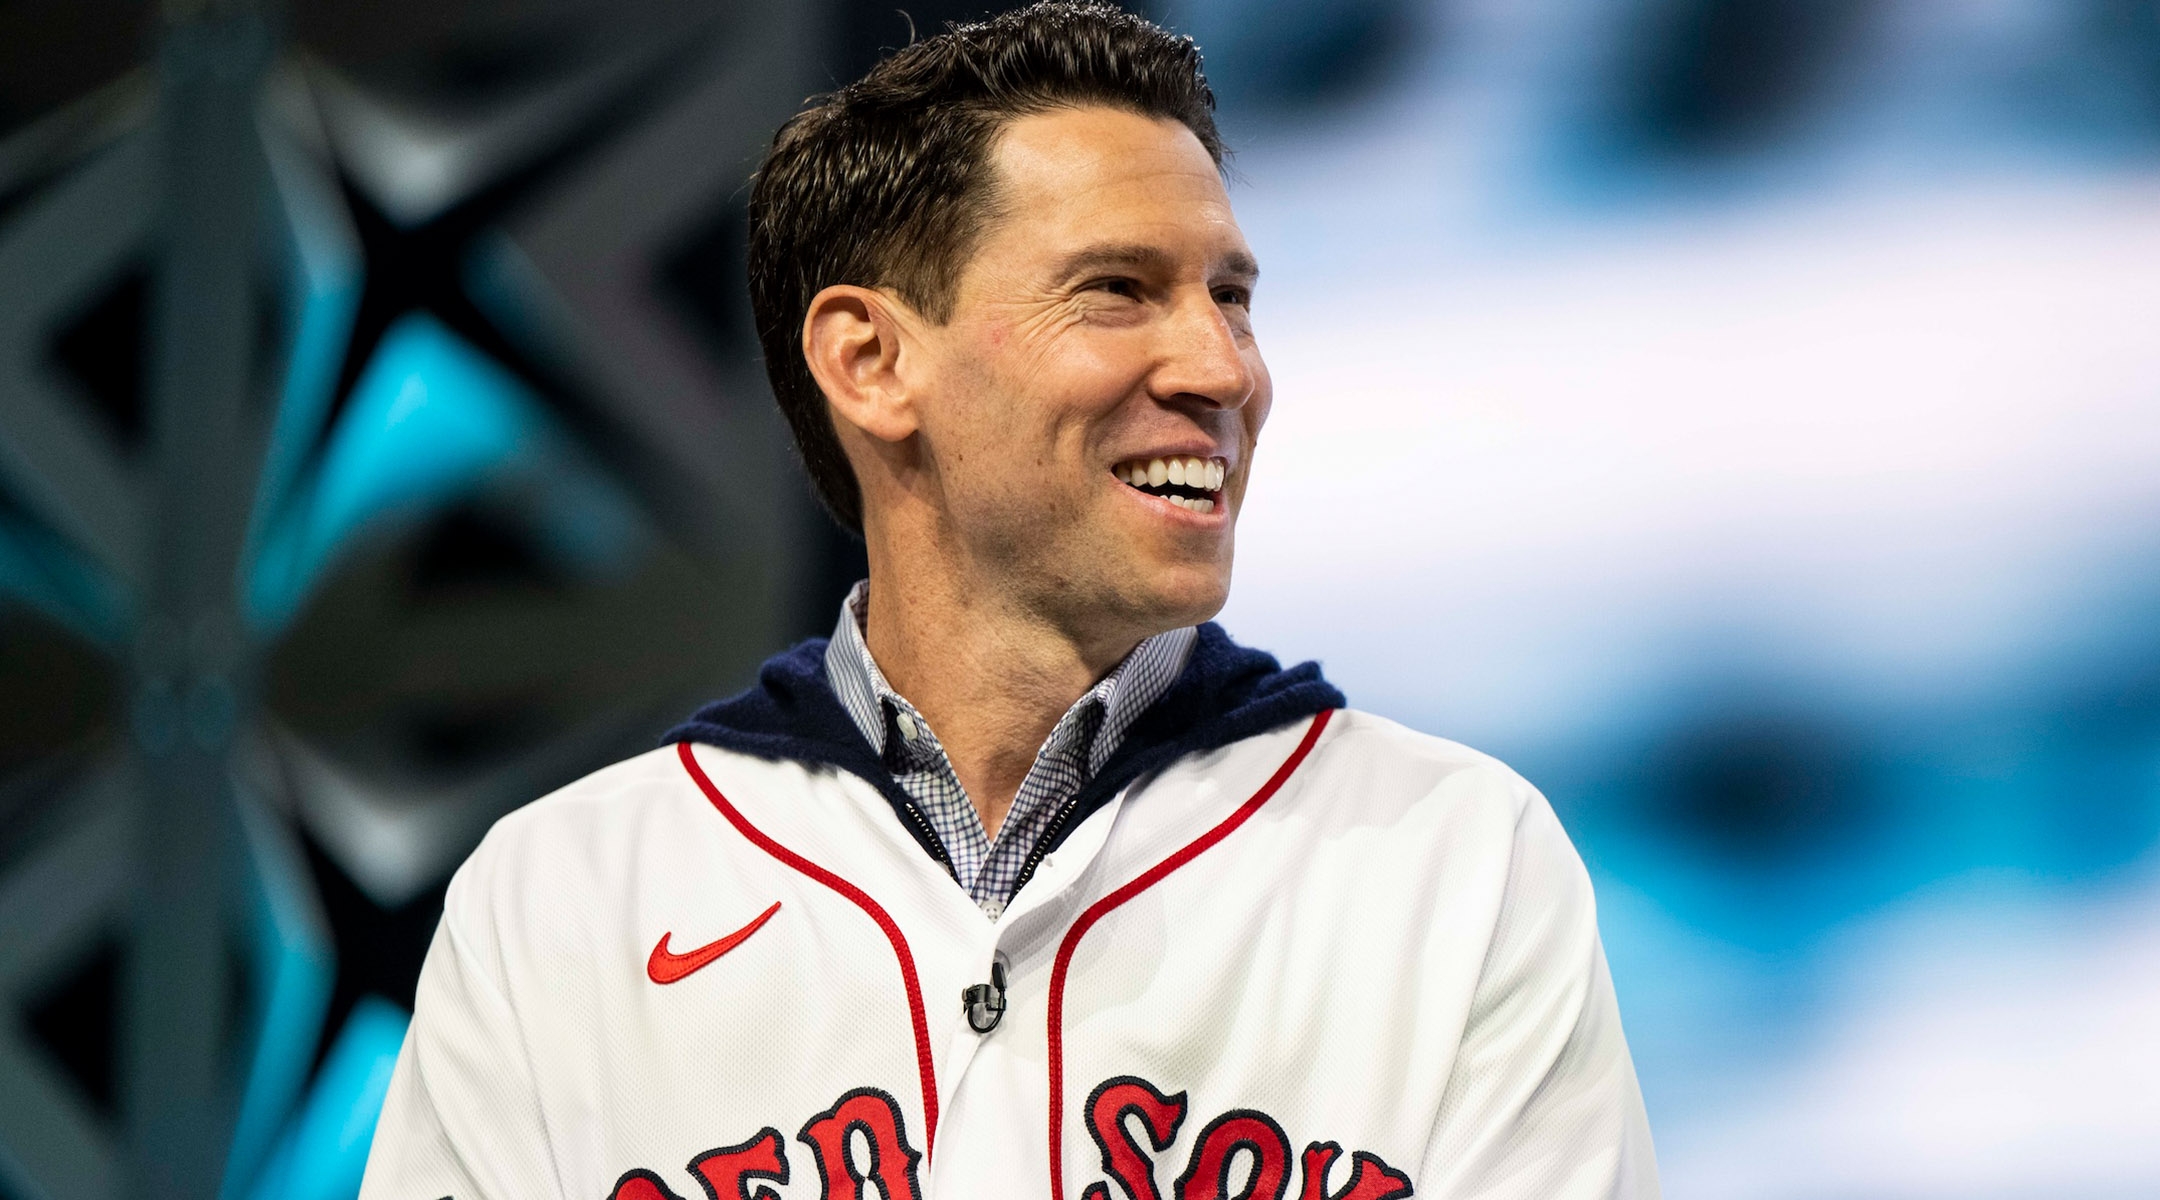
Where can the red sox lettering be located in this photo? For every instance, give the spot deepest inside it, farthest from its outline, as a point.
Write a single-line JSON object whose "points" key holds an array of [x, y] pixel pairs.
{"points": [[1243, 1132], [732, 1172], [1240, 1136]]}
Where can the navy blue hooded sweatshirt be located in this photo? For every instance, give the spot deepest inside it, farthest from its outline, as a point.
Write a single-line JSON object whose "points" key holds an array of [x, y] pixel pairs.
{"points": [[1225, 694]]}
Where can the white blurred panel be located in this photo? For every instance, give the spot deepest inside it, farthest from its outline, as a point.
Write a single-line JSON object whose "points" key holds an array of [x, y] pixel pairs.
{"points": [[1993, 1046], [1893, 434]]}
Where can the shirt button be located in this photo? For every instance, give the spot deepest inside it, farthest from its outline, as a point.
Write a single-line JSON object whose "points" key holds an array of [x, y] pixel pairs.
{"points": [[908, 732]]}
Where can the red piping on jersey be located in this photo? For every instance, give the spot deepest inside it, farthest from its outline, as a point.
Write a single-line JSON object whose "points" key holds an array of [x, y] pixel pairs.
{"points": [[884, 920], [1096, 911]]}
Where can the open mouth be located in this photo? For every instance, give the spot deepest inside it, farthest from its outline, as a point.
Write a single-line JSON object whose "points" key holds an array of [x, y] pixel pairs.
{"points": [[1192, 483]]}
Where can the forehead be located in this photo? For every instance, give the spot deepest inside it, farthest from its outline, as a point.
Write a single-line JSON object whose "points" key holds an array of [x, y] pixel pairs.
{"points": [[1071, 177]]}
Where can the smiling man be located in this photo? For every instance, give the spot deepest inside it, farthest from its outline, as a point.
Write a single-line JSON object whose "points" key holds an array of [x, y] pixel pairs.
{"points": [[1027, 882]]}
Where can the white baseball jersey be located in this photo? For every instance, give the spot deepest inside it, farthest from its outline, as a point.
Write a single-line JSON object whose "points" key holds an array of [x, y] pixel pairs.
{"points": [[1333, 960]]}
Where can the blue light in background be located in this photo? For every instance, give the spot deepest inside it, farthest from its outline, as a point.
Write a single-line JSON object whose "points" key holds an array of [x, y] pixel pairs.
{"points": [[49, 576], [431, 422], [292, 981], [324, 1151], [430, 419], [321, 296]]}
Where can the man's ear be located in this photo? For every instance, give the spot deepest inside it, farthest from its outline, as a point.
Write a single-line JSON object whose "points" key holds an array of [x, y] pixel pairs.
{"points": [[854, 341]]}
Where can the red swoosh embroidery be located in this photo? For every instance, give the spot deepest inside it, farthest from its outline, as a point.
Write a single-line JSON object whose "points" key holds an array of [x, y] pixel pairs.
{"points": [[664, 967]]}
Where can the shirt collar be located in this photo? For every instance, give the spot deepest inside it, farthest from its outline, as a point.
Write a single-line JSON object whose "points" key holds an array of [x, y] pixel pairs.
{"points": [[1096, 721]]}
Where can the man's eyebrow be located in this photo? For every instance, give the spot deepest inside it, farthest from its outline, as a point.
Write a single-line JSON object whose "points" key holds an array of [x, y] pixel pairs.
{"points": [[1129, 256], [1137, 256]]}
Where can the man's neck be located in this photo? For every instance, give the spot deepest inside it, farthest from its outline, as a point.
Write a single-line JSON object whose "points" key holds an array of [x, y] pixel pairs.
{"points": [[992, 679]]}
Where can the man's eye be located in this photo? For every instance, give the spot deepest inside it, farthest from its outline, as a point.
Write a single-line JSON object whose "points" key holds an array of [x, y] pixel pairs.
{"points": [[1241, 297], [1118, 287]]}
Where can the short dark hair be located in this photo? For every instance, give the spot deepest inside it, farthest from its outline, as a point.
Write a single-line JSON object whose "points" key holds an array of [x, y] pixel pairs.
{"points": [[886, 182]]}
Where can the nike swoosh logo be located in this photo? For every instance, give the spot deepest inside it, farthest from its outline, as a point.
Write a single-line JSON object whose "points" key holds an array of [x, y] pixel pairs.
{"points": [[664, 967]]}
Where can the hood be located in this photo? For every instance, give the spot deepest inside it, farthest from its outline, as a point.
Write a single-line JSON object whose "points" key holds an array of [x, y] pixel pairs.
{"points": [[1225, 694]]}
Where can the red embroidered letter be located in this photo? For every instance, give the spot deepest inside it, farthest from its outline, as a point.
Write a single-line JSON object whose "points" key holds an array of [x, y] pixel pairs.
{"points": [[641, 1184], [1370, 1178], [726, 1173], [1122, 1157], [1207, 1177], [892, 1161]]}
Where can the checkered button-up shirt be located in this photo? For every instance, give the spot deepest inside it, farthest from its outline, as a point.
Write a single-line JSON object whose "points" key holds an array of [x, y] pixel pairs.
{"points": [[1082, 741]]}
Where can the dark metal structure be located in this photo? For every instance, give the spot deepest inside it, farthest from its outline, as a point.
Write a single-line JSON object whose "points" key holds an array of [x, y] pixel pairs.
{"points": [[382, 443]]}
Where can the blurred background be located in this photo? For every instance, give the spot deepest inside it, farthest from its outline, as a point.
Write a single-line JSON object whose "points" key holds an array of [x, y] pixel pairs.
{"points": [[1742, 416]]}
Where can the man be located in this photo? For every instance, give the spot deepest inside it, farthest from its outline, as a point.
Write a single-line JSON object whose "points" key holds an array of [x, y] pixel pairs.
{"points": [[1024, 884]]}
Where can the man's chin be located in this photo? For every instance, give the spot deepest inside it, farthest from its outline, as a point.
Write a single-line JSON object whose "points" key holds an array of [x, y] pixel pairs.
{"points": [[1164, 598], [1124, 589]]}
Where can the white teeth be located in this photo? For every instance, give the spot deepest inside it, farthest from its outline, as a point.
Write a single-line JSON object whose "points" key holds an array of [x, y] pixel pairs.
{"points": [[1201, 505], [1205, 474]]}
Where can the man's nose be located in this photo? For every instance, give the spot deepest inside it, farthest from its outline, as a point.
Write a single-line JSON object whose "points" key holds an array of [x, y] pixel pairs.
{"points": [[1202, 360]]}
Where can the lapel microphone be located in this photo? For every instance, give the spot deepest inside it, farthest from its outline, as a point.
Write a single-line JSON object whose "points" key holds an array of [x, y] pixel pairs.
{"points": [[985, 1002]]}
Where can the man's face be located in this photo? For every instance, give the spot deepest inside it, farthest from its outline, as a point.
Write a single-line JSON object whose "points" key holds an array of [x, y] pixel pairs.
{"points": [[1094, 399]]}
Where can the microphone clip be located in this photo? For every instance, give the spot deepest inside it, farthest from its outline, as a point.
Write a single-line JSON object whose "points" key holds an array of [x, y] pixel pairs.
{"points": [[985, 1002]]}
